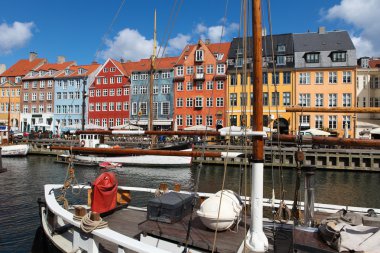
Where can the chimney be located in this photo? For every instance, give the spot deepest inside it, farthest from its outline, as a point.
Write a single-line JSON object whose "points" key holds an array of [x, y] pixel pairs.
{"points": [[321, 30], [32, 56], [207, 42], [121, 60], [60, 59]]}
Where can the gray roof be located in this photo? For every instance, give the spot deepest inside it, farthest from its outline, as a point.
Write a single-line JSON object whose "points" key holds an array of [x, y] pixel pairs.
{"points": [[328, 41]]}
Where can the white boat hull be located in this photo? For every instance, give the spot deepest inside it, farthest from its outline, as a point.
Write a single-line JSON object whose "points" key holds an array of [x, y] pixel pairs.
{"points": [[14, 150], [143, 160]]}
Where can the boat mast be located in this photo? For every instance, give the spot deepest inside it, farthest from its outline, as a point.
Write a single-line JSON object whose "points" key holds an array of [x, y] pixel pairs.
{"points": [[84, 102], [9, 111], [256, 240], [151, 79]]}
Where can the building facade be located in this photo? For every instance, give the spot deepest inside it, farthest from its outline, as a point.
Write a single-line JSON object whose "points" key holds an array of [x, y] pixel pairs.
{"points": [[200, 85], [325, 76], [108, 104], [163, 93], [37, 96], [70, 100]]}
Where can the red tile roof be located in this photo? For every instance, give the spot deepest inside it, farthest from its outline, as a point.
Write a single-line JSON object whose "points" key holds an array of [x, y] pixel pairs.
{"points": [[89, 69], [22, 67], [145, 64], [374, 63]]}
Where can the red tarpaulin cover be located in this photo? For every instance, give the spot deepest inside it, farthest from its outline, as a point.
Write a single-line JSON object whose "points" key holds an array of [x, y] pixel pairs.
{"points": [[104, 193]]}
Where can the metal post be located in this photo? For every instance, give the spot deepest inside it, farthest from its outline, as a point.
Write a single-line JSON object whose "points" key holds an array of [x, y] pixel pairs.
{"points": [[309, 195], [84, 102]]}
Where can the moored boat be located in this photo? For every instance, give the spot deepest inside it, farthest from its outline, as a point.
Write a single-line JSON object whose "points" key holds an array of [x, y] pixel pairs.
{"points": [[14, 150]]}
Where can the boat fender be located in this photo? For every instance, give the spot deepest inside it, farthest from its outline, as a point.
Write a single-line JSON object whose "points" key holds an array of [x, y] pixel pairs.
{"points": [[82, 143], [104, 193]]}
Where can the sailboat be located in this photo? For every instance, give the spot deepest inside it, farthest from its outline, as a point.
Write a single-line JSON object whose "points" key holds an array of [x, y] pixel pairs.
{"points": [[170, 222]]}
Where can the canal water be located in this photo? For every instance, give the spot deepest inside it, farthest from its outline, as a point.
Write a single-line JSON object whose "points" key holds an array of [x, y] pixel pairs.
{"points": [[22, 184]]}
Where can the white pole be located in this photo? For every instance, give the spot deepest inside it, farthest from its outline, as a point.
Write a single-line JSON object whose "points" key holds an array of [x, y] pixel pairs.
{"points": [[256, 240]]}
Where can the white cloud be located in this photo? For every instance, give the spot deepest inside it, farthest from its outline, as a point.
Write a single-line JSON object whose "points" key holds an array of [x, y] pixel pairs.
{"points": [[178, 43], [14, 36], [216, 33], [363, 16], [128, 44]]}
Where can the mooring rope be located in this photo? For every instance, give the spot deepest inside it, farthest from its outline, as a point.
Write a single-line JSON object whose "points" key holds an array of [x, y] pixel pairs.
{"points": [[87, 225]]}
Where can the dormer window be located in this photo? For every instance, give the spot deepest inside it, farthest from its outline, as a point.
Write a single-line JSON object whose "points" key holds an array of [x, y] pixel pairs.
{"points": [[312, 57], [81, 71], [199, 55], [51, 72], [339, 56], [41, 73], [281, 48], [3, 79], [67, 71], [18, 79]]}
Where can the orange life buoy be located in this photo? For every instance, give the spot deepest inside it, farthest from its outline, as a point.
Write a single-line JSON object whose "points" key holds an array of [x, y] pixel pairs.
{"points": [[82, 143]]}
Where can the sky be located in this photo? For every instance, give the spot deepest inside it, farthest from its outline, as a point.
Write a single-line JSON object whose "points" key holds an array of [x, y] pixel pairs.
{"points": [[87, 31]]}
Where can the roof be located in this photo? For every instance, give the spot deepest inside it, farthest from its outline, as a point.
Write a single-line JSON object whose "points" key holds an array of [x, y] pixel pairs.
{"points": [[374, 63], [220, 48], [22, 67], [50, 66], [74, 71], [145, 64], [327, 41]]}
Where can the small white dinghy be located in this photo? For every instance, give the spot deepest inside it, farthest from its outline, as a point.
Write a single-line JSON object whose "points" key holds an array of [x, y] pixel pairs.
{"points": [[231, 206]]}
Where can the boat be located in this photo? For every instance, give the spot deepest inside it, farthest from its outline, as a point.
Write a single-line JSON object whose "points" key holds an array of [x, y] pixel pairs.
{"points": [[14, 150], [169, 222], [108, 165], [69, 159]]}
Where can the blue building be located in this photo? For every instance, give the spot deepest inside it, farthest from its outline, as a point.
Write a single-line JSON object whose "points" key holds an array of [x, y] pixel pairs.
{"points": [[68, 97], [163, 93]]}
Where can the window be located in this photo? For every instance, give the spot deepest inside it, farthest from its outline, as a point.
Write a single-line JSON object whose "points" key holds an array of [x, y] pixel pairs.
{"points": [[105, 92], [243, 98], [189, 86], [91, 107], [64, 95], [318, 121], [143, 89], [134, 108], [98, 92], [165, 89], [189, 70], [135, 76], [305, 120], [312, 57], [209, 120], [281, 48], [219, 102], [189, 120], [104, 107], [118, 106], [198, 102], [179, 102], [199, 85], [199, 55], [189, 102], [275, 78], [180, 86], [156, 76], [118, 91], [333, 77], [281, 60], [71, 95], [233, 99], [105, 80], [265, 99], [286, 98], [112, 69], [126, 91], [333, 100], [97, 107], [233, 120], [304, 99], [119, 79], [319, 78], [105, 70], [265, 78], [42, 84], [338, 56], [155, 89], [304, 78], [209, 102], [165, 75], [221, 68], [125, 106], [233, 80], [111, 106], [219, 85], [134, 90], [346, 76], [98, 80], [346, 121], [111, 120], [199, 69], [179, 120], [143, 108], [165, 106], [42, 96], [319, 100], [26, 85], [41, 108], [209, 85], [210, 69], [286, 78], [180, 71], [34, 84], [34, 96], [112, 80], [50, 83], [346, 100], [49, 96], [104, 122], [198, 120], [332, 121]]}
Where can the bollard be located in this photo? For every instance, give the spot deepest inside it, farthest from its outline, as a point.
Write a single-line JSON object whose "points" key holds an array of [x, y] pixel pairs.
{"points": [[309, 195]]}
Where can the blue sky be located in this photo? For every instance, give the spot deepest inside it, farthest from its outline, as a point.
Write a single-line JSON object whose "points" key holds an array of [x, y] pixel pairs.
{"points": [[86, 31]]}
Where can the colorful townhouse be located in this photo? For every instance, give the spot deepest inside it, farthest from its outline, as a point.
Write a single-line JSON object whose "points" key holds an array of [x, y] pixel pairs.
{"points": [[37, 95], [163, 93], [70, 98], [199, 82], [325, 73], [277, 82], [10, 88], [108, 103], [368, 95]]}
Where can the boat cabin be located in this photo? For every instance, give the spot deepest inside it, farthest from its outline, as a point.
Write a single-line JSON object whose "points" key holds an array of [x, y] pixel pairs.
{"points": [[91, 140]]}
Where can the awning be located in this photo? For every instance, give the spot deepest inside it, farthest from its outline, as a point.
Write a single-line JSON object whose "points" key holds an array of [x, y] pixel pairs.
{"points": [[144, 122]]}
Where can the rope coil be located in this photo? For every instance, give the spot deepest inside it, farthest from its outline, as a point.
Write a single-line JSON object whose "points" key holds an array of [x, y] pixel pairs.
{"points": [[87, 225]]}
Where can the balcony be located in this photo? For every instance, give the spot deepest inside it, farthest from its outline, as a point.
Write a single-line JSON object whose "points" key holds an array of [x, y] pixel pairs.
{"points": [[179, 78], [199, 76], [221, 76]]}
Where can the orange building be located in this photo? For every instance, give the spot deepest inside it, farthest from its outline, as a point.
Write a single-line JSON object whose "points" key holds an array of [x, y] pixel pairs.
{"points": [[200, 84]]}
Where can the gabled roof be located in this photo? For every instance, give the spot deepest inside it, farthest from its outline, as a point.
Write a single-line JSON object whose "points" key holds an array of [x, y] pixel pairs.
{"points": [[145, 64], [74, 71], [22, 67], [51, 66], [327, 41]]}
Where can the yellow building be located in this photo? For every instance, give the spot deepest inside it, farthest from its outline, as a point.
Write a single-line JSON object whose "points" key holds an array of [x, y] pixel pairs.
{"points": [[10, 94]]}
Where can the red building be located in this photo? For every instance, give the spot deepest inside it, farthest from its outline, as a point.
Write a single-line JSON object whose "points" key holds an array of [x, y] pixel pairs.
{"points": [[109, 95], [200, 85]]}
